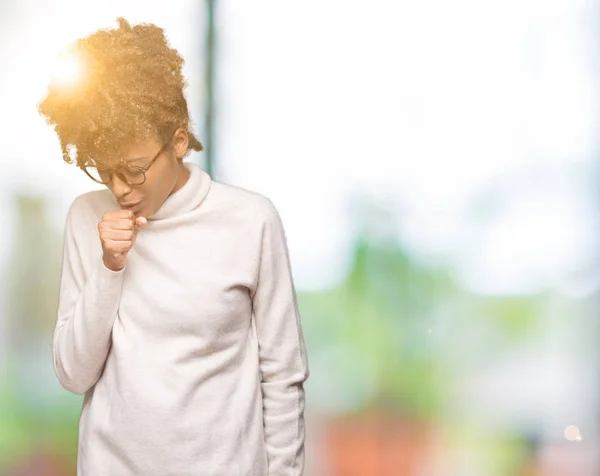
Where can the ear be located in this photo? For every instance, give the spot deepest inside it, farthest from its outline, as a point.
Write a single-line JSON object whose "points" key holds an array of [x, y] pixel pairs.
{"points": [[180, 142]]}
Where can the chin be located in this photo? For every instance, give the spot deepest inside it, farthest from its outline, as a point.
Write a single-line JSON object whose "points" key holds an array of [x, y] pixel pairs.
{"points": [[143, 212]]}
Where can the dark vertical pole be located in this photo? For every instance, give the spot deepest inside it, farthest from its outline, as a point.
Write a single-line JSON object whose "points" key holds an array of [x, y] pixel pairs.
{"points": [[209, 116]]}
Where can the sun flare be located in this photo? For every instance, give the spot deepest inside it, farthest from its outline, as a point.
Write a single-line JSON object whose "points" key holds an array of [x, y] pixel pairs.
{"points": [[68, 70]]}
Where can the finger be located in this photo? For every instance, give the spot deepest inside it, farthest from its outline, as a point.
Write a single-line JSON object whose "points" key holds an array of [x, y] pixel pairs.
{"points": [[119, 224], [141, 221], [118, 235], [118, 246], [118, 214]]}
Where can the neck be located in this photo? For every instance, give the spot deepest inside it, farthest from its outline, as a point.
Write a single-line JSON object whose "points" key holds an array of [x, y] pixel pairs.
{"points": [[183, 175], [192, 187]]}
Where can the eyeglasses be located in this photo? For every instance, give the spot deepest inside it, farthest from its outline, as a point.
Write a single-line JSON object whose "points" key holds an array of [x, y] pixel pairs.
{"points": [[130, 174]]}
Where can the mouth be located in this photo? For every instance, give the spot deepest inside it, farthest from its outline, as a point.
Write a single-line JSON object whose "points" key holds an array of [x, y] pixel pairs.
{"points": [[133, 206]]}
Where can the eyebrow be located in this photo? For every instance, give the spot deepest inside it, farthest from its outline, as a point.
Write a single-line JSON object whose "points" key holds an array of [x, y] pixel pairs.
{"points": [[137, 159]]}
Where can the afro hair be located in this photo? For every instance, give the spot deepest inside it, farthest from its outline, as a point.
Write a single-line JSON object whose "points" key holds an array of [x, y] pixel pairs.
{"points": [[131, 89]]}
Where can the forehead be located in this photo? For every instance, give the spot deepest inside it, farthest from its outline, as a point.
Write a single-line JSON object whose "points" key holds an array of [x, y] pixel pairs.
{"points": [[136, 152], [144, 148]]}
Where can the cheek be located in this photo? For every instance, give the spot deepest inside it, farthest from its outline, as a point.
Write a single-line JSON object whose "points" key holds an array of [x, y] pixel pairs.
{"points": [[160, 186]]}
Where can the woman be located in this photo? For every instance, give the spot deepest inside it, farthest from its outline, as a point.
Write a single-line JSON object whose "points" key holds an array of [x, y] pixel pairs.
{"points": [[177, 317]]}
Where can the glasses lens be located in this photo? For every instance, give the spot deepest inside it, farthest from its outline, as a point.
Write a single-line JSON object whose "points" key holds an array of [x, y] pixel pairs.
{"points": [[99, 175], [134, 176]]}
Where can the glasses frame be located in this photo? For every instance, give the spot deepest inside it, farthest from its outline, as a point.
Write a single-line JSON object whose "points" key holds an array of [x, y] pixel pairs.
{"points": [[143, 170]]}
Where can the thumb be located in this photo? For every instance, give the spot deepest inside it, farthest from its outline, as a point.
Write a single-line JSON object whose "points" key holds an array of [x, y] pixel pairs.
{"points": [[140, 222]]}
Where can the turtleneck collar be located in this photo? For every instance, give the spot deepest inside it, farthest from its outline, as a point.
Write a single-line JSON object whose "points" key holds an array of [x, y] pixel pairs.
{"points": [[188, 197]]}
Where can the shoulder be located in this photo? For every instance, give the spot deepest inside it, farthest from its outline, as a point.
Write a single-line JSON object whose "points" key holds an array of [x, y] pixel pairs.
{"points": [[253, 205]]}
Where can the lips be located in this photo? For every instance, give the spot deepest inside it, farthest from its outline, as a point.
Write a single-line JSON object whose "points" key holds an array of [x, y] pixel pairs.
{"points": [[130, 206]]}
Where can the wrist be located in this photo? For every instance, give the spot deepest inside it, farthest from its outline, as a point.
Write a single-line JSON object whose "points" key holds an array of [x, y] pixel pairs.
{"points": [[111, 266]]}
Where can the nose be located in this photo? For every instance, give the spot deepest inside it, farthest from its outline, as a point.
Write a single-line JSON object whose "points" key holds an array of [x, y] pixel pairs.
{"points": [[119, 187]]}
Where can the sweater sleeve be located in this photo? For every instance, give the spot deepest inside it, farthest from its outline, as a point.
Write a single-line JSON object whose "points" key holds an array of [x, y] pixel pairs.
{"points": [[87, 309], [282, 353]]}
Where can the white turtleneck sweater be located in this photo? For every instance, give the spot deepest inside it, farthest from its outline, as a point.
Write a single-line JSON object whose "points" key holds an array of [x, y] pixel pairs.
{"points": [[191, 358]]}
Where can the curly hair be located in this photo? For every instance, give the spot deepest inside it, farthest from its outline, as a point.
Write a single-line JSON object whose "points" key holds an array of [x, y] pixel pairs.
{"points": [[132, 89]]}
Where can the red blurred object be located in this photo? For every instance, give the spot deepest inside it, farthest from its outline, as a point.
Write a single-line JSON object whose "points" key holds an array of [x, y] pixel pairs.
{"points": [[42, 463], [375, 445]]}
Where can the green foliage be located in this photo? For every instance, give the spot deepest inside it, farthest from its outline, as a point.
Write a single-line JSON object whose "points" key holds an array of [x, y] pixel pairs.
{"points": [[389, 318], [515, 316], [15, 433], [44, 422], [381, 315]]}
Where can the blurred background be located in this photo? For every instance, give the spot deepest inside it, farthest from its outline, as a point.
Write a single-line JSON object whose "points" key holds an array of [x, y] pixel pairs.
{"points": [[435, 164]]}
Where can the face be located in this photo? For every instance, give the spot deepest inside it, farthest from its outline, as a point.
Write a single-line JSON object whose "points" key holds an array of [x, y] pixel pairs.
{"points": [[166, 175]]}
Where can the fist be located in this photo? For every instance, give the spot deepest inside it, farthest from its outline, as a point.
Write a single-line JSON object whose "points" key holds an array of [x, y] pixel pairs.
{"points": [[118, 231]]}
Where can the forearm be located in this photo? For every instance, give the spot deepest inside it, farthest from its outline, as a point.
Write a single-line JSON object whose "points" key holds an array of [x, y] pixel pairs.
{"points": [[284, 427], [82, 337]]}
